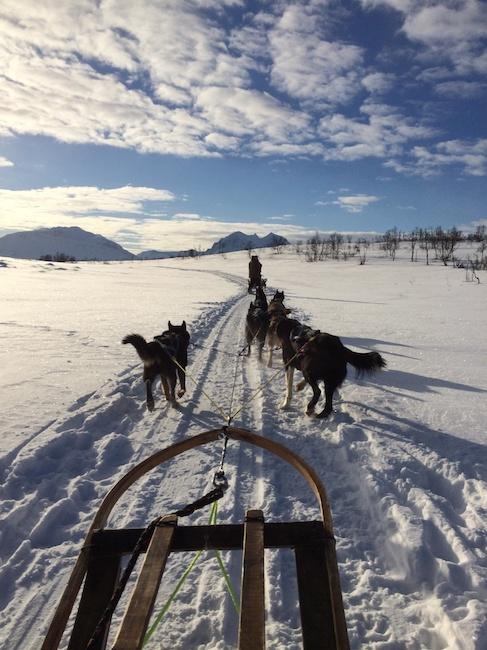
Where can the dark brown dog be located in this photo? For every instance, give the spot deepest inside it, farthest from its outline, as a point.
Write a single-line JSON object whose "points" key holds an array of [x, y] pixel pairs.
{"points": [[320, 357], [158, 356], [257, 322]]}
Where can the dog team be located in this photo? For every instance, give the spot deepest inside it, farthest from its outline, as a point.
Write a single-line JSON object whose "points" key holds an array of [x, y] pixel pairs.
{"points": [[319, 356]]}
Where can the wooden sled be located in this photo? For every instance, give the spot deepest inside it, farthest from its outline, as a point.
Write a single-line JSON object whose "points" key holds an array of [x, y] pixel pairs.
{"points": [[320, 598]]}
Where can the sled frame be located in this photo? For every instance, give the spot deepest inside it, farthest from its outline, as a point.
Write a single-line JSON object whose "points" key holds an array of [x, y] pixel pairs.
{"points": [[320, 599]]}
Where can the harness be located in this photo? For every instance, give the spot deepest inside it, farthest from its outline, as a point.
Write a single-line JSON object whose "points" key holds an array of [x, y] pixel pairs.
{"points": [[169, 342], [300, 332]]}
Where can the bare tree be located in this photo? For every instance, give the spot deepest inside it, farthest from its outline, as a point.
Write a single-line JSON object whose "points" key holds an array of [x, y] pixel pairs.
{"points": [[335, 241], [390, 241], [425, 242], [413, 239], [313, 248], [445, 242], [362, 248]]}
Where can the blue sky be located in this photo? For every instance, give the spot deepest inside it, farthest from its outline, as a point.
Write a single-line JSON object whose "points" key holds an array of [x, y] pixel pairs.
{"points": [[168, 124]]}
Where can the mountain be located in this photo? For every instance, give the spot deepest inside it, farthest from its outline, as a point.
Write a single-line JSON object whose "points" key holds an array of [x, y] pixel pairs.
{"points": [[236, 241], [73, 241], [239, 241], [82, 245], [160, 255]]}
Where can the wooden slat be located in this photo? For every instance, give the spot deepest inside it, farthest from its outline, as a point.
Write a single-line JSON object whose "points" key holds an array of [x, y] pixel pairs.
{"points": [[315, 601], [101, 580], [251, 634], [341, 632], [139, 610], [225, 537]]}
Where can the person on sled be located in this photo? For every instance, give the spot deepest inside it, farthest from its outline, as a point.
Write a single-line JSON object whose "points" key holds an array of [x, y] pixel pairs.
{"points": [[255, 278]]}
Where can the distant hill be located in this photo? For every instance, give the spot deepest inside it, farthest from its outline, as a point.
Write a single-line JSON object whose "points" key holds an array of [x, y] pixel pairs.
{"points": [[236, 241], [160, 255], [239, 241], [82, 245], [73, 241]]}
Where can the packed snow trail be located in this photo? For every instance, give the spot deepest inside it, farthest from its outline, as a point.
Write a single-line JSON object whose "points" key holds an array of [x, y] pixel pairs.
{"points": [[408, 503]]}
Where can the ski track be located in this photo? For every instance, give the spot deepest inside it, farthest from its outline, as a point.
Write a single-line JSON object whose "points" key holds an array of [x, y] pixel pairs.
{"points": [[413, 547]]}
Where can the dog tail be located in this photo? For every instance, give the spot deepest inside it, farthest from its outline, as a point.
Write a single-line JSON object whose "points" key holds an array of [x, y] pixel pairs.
{"points": [[141, 345], [365, 363]]}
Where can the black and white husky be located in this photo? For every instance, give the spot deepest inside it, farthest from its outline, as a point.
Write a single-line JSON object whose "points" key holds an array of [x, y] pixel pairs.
{"points": [[159, 356]]}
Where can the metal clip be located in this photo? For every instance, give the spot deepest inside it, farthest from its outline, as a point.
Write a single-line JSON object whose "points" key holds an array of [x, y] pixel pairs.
{"points": [[220, 480]]}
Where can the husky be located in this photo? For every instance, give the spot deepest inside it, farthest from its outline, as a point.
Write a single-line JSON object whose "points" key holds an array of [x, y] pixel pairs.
{"points": [[158, 356], [276, 311], [320, 357], [257, 322]]}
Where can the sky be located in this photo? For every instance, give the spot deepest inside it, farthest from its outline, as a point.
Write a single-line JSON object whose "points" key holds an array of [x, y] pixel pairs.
{"points": [[167, 124]]}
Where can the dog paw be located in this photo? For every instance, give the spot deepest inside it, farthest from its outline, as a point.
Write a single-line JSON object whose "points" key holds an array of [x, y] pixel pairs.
{"points": [[311, 413], [181, 392], [150, 406], [324, 414], [284, 406]]}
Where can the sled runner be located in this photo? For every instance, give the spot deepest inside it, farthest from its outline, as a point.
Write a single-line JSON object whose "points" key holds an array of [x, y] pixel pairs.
{"points": [[320, 599]]}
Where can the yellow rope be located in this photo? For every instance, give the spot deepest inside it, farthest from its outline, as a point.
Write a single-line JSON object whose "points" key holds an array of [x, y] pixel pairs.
{"points": [[261, 388], [212, 401]]}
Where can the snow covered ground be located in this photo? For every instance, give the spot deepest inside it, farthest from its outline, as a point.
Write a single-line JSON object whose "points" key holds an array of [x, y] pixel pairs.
{"points": [[403, 458]]}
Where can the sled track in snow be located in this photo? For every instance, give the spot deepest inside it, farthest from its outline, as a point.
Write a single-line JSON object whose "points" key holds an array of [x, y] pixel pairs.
{"points": [[400, 541]]}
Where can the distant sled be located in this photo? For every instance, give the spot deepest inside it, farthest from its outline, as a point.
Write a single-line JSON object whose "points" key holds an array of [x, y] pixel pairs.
{"points": [[320, 598]]}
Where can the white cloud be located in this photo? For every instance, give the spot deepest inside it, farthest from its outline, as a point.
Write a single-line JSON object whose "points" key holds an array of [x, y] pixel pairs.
{"points": [[460, 89], [381, 133], [306, 65], [472, 156], [178, 77], [282, 217], [4, 162], [355, 203], [55, 206], [243, 112], [451, 30], [447, 22], [191, 216], [378, 82]]}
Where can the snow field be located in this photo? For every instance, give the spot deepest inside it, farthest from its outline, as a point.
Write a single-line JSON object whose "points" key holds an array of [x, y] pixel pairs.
{"points": [[402, 458]]}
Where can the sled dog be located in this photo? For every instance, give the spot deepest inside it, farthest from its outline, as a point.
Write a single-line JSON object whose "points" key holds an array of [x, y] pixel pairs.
{"points": [[277, 311], [257, 322], [320, 357], [158, 356]]}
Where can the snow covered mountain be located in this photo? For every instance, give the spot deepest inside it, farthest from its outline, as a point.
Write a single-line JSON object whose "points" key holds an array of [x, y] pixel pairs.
{"points": [[159, 255], [239, 241], [73, 241], [236, 241]]}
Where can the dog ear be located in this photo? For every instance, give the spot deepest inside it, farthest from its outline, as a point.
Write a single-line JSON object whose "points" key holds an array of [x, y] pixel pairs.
{"points": [[184, 325], [169, 326]]}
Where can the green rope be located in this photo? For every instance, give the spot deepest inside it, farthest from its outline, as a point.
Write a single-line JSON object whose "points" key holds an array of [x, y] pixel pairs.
{"points": [[182, 580], [226, 577]]}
